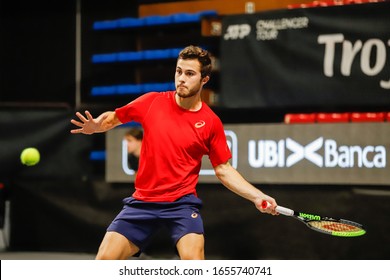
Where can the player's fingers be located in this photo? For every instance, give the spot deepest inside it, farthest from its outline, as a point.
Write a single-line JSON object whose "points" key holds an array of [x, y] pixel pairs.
{"points": [[89, 116], [80, 124], [269, 206], [272, 206], [81, 117], [75, 131], [274, 212]]}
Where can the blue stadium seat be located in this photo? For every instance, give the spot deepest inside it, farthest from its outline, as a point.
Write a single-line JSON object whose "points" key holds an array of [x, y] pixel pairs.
{"points": [[130, 56], [174, 53], [129, 89], [97, 155], [157, 54], [185, 17], [136, 56], [208, 13], [148, 87], [157, 20], [106, 24], [131, 22], [104, 58], [104, 90]]}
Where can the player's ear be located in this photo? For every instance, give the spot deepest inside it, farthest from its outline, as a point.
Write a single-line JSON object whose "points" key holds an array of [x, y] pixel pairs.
{"points": [[205, 80]]}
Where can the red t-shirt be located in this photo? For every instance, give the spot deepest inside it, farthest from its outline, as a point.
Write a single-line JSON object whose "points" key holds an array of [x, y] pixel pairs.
{"points": [[174, 143]]}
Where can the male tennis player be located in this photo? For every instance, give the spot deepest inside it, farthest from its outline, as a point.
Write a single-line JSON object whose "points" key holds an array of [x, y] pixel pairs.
{"points": [[178, 130]]}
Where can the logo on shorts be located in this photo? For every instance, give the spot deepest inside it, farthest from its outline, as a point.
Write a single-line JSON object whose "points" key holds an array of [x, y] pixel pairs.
{"points": [[200, 124], [194, 215]]}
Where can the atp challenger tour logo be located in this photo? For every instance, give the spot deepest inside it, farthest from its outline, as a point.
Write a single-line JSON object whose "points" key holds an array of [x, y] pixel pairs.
{"points": [[266, 29], [237, 31], [324, 153]]}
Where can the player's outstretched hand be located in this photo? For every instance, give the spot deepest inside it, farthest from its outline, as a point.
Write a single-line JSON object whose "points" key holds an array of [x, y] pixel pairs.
{"points": [[87, 124]]}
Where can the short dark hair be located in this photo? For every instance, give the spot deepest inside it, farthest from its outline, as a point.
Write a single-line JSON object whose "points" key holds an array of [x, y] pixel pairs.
{"points": [[137, 133], [203, 56]]}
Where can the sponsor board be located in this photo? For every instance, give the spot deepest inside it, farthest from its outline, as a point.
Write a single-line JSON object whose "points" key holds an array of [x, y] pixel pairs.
{"points": [[352, 153], [278, 58]]}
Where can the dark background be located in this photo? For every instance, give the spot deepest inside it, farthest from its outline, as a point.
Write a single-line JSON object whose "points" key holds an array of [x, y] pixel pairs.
{"points": [[64, 204], [37, 51]]}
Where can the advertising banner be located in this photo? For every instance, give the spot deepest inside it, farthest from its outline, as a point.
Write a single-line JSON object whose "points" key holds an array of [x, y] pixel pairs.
{"points": [[352, 153], [328, 56]]}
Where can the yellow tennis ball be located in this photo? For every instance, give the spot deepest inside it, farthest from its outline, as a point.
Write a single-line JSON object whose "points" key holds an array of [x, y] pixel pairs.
{"points": [[30, 156]]}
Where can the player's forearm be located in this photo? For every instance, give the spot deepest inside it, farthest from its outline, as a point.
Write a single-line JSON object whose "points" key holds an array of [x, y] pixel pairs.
{"points": [[233, 180]]}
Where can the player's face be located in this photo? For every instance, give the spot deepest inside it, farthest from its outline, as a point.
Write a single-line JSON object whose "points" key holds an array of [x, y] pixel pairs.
{"points": [[188, 78], [132, 144]]}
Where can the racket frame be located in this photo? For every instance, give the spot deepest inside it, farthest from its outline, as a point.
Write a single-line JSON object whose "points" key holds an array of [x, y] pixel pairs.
{"points": [[307, 218]]}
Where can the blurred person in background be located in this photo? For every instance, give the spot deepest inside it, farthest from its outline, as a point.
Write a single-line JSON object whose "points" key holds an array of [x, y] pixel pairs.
{"points": [[134, 137]]}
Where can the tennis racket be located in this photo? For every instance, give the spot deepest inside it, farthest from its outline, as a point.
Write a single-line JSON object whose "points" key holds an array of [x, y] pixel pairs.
{"points": [[335, 227]]}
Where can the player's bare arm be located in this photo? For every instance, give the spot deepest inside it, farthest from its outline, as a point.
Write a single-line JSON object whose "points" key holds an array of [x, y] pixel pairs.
{"points": [[233, 180], [89, 125]]}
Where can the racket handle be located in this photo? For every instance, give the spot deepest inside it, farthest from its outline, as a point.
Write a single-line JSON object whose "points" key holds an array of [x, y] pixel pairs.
{"points": [[285, 211], [280, 209]]}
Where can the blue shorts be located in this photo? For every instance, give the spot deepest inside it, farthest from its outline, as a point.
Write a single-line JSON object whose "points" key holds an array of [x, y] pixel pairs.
{"points": [[138, 220]]}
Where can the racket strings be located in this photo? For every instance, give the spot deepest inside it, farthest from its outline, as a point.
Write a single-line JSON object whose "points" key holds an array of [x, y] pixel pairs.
{"points": [[336, 227]]}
